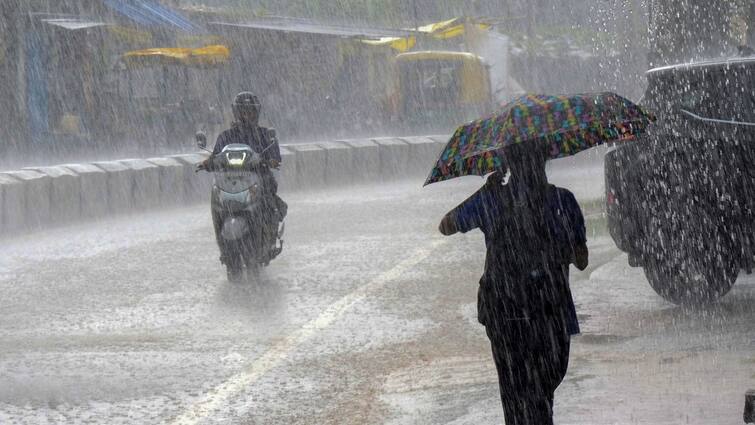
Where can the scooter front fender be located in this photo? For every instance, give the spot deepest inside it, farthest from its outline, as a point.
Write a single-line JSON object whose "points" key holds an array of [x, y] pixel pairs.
{"points": [[234, 228]]}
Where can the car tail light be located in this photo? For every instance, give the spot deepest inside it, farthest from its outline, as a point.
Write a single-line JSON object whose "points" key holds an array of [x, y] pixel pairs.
{"points": [[611, 198]]}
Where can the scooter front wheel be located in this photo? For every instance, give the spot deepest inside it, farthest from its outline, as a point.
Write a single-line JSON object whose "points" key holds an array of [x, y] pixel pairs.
{"points": [[235, 273], [234, 267]]}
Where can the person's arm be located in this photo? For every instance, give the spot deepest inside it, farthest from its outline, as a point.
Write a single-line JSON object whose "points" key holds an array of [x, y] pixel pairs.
{"points": [[207, 163], [580, 257], [220, 143], [448, 224], [273, 149], [466, 216]]}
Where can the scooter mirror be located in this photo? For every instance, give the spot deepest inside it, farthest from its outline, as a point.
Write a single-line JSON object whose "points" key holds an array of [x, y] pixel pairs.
{"points": [[201, 139]]}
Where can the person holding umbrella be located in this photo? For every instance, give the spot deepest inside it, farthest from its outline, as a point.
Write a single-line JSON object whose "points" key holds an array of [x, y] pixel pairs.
{"points": [[533, 232]]}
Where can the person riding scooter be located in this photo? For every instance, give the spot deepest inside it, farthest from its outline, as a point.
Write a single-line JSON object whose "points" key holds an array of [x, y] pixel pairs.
{"points": [[246, 130]]}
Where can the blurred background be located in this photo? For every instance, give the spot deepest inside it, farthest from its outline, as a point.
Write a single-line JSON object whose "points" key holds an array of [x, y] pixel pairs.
{"points": [[92, 79]]}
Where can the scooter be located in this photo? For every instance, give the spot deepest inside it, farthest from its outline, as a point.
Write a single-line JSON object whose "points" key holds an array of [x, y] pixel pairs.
{"points": [[248, 233]]}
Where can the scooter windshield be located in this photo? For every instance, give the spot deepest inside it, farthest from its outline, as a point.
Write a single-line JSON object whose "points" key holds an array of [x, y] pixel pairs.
{"points": [[236, 181]]}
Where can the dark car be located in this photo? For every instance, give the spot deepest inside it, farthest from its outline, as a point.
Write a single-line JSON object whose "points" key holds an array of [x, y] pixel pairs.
{"points": [[680, 199]]}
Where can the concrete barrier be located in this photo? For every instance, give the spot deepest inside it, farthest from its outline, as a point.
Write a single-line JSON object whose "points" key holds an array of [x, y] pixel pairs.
{"points": [[287, 174], [394, 157], [339, 164], [94, 190], [197, 185], [440, 138], [65, 193], [310, 166], [11, 204], [119, 186], [423, 154], [146, 183], [40, 195], [366, 160], [591, 158], [36, 189], [171, 180]]}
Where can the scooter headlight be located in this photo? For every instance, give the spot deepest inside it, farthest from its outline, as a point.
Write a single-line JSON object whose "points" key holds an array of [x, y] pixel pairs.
{"points": [[235, 159]]}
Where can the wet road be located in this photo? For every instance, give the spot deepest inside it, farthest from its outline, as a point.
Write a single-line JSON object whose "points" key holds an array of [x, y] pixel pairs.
{"points": [[367, 317]]}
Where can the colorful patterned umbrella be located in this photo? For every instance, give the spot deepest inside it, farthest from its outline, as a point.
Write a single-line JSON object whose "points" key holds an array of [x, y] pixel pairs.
{"points": [[567, 124]]}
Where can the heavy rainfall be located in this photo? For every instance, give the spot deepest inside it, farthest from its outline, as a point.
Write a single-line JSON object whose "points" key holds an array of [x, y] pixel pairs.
{"points": [[377, 212]]}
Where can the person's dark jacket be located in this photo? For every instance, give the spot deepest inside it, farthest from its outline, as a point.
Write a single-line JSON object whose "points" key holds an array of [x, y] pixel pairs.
{"points": [[528, 250], [260, 139]]}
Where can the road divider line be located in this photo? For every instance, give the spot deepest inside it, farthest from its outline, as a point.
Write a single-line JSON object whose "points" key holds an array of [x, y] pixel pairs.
{"points": [[219, 396]]}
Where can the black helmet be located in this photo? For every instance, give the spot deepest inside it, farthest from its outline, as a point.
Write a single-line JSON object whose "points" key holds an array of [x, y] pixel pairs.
{"points": [[245, 100]]}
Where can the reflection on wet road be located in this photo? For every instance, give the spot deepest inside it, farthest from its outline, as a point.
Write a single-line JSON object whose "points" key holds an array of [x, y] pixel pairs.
{"points": [[367, 317]]}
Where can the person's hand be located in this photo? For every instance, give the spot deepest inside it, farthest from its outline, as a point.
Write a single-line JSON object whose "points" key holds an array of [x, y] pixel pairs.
{"points": [[581, 256], [202, 166], [447, 225], [274, 163], [577, 255]]}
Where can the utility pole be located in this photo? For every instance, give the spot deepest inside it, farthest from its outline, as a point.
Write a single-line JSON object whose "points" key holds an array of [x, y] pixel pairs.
{"points": [[416, 22], [415, 15]]}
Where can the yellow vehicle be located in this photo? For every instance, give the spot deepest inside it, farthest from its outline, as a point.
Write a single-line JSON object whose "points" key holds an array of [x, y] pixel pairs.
{"points": [[162, 96], [441, 89]]}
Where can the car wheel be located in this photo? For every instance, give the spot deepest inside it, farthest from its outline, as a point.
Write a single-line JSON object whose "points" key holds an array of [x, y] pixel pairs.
{"points": [[693, 268], [690, 285]]}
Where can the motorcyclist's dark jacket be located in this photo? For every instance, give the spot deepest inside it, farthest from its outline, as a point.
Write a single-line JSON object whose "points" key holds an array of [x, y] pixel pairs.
{"points": [[260, 139]]}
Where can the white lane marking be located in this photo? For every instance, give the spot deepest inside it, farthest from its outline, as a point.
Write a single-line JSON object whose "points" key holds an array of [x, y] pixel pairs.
{"points": [[218, 396]]}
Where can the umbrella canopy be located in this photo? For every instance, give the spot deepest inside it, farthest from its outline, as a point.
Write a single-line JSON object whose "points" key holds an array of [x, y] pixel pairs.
{"points": [[567, 124]]}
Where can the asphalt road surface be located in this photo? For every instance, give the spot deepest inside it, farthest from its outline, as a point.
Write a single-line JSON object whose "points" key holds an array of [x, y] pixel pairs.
{"points": [[368, 317]]}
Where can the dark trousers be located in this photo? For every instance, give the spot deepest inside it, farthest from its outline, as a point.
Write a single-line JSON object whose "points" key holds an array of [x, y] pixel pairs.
{"points": [[531, 357]]}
